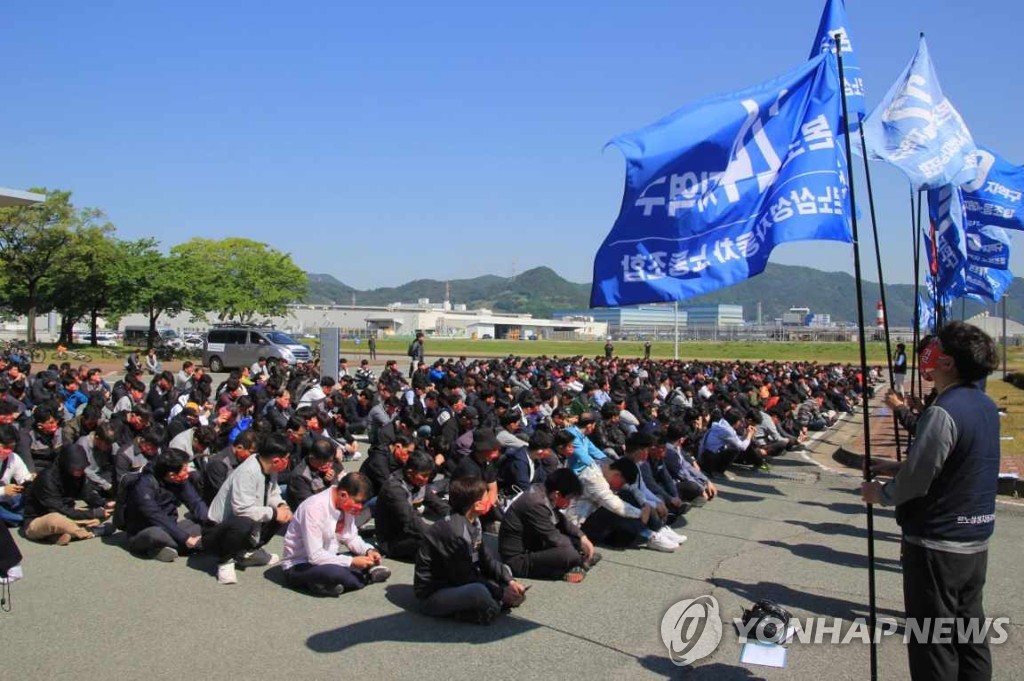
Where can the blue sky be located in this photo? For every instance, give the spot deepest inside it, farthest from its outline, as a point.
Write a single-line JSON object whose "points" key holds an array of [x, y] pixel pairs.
{"points": [[438, 140]]}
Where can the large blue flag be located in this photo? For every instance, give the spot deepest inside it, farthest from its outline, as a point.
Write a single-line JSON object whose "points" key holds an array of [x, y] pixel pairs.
{"points": [[985, 282], [994, 197], [834, 21], [916, 129], [943, 243], [712, 188]]}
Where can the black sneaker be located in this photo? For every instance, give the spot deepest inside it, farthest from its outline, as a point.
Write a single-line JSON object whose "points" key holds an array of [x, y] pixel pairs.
{"points": [[594, 560], [257, 558], [104, 530], [166, 555], [377, 574], [326, 591]]}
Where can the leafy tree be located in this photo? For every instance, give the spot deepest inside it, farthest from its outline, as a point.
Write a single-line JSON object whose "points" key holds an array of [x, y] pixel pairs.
{"points": [[33, 241], [85, 282], [240, 278]]}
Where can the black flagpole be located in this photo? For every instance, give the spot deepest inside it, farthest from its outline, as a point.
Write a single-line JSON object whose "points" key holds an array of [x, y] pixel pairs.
{"points": [[916, 256], [881, 290], [863, 363], [918, 238]]}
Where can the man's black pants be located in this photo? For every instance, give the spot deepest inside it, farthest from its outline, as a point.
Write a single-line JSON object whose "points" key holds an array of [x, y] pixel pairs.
{"points": [[604, 527], [944, 584], [237, 535], [550, 563]]}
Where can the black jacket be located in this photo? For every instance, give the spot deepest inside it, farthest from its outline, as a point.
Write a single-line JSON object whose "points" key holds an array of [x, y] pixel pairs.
{"points": [[378, 467], [151, 502], [395, 515], [530, 525], [217, 469], [56, 490], [445, 559], [305, 482]]}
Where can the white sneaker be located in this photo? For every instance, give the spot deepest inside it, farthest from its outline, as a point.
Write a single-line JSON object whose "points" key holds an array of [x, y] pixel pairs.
{"points": [[675, 536], [275, 559], [355, 456], [226, 573], [659, 542]]}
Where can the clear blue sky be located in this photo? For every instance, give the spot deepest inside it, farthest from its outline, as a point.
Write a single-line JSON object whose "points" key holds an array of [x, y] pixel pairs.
{"points": [[445, 140]]}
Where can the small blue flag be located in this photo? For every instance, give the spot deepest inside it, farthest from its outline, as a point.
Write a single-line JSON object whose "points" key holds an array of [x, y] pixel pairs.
{"points": [[712, 188], [987, 283], [987, 246], [995, 196], [916, 129], [834, 21], [925, 315], [946, 258]]}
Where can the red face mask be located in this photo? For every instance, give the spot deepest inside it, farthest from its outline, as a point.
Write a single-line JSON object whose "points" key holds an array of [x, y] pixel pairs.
{"points": [[930, 358], [350, 507], [561, 503], [324, 467], [280, 465], [486, 504], [178, 478]]}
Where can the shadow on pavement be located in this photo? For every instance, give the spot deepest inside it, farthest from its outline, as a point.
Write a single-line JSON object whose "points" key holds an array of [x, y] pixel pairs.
{"points": [[844, 530], [830, 556], [736, 496], [411, 627], [850, 509], [800, 600], [756, 488], [718, 672]]}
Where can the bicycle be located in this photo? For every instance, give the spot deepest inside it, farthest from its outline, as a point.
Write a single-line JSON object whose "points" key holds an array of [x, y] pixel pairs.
{"points": [[107, 351], [64, 353], [34, 353]]}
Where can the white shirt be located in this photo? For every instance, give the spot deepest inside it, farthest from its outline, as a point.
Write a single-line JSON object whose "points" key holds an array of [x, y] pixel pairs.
{"points": [[313, 535], [15, 470]]}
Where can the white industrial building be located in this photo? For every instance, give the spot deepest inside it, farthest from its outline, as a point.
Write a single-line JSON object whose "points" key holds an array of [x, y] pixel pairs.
{"points": [[405, 320]]}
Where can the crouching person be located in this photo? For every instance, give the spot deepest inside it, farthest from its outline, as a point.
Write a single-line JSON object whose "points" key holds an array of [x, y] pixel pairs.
{"points": [[151, 509], [456, 574], [248, 510], [321, 523], [50, 512], [536, 540]]}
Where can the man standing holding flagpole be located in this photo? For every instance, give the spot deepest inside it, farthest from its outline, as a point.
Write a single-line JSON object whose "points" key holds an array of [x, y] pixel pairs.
{"points": [[945, 498]]}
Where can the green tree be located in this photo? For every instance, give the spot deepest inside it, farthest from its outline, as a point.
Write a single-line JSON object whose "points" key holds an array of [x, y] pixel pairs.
{"points": [[33, 241], [162, 283], [240, 279]]}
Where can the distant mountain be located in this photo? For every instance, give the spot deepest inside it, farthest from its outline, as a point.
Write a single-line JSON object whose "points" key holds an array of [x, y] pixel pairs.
{"points": [[541, 290]]}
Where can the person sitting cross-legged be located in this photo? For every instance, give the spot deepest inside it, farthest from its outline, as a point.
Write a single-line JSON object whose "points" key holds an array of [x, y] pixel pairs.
{"points": [[248, 510], [50, 512], [456, 574], [321, 523], [536, 540], [151, 509]]}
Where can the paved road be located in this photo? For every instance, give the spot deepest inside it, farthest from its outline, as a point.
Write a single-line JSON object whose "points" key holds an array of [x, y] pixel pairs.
{"points": [[90, 610]]}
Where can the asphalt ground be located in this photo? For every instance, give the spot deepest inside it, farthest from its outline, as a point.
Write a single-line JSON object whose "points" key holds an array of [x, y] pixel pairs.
{"points": [[90, 610]]}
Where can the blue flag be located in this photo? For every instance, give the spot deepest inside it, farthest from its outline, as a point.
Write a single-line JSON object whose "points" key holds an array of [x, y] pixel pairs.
{"points": [[994, 197], [943, 244], [925, 315], [916, 129], [987, 246], [712, 188], [833, 21], [985, 282]]}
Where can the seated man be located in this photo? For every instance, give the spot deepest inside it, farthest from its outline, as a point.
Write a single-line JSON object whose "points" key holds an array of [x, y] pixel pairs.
{"points": [[381, 463], [219, 466], [151, 504], [322, 522], [605, 517], [98, 449], [40, 444], [143, 449], [316, 473], [724, 442], [397, 516], [456, 574], [482, 464], [14, 475], [248, 510], [691, 484], [536, 539], [524, 466], [647, 492], [50, 512]]}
